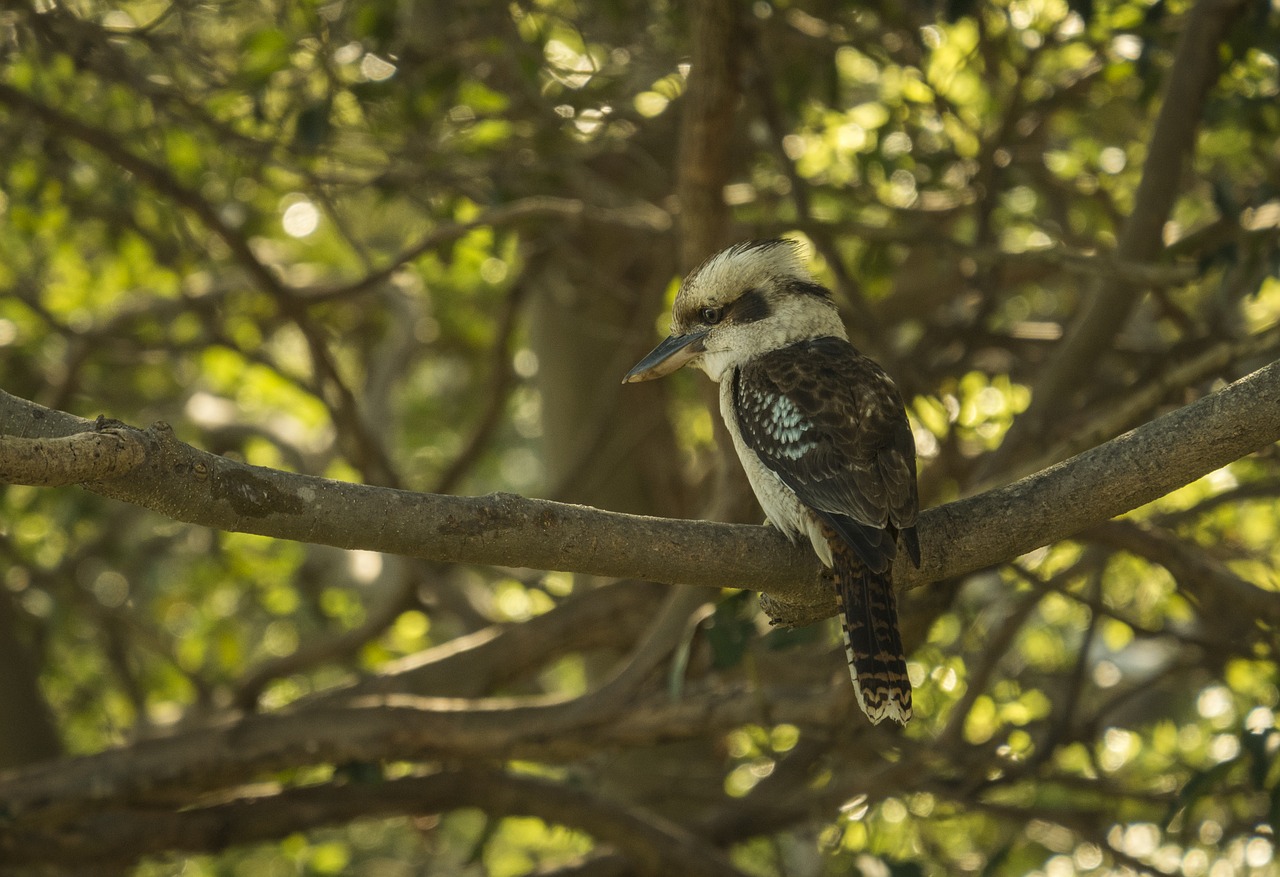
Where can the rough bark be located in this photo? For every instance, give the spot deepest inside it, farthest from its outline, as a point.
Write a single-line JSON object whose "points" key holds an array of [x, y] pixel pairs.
{"points": [[190, 485]]}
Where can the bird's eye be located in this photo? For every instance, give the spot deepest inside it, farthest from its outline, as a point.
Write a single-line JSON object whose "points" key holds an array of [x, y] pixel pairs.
{"points": [[711, 316]]}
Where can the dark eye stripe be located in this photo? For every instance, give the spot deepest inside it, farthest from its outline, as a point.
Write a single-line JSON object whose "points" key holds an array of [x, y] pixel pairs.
{"points": [[750, 307]]}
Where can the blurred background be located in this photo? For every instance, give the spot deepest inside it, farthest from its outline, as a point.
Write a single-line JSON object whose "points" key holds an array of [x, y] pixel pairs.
{"points": [[416, 244]]}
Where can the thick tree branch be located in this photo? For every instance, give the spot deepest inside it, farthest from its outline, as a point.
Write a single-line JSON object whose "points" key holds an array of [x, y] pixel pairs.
{"points": [[189, 485], [1221, 357], [654, 845], [236, 751], [69, 459], [1109, 480], [710, 107], [1195, 69]]}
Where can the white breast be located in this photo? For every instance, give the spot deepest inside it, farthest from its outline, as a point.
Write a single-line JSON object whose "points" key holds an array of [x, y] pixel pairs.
{"points": [[783, 509]]}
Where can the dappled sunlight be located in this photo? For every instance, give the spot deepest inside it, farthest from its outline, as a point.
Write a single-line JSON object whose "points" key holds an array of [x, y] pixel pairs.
{"points": [[414, 248]]}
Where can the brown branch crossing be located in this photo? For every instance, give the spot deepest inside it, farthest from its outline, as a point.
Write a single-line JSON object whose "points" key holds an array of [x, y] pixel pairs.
{"points": [[189, 485]]}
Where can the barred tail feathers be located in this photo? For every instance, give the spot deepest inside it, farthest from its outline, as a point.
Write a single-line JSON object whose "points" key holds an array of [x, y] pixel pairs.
{"points": [[869, 616]]}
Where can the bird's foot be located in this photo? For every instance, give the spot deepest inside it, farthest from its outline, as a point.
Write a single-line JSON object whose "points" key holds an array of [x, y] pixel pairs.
{"points": [[789, 614]]}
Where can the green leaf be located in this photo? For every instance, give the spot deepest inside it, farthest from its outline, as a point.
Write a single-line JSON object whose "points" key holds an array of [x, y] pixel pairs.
{"points": [[263, 53]]}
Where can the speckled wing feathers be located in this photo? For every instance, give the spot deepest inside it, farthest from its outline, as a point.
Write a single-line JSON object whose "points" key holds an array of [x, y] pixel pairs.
{"points": [[830, 423]]}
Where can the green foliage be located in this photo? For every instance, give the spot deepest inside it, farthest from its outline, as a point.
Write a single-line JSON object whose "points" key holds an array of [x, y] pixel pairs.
{"points": [[316, 237]]}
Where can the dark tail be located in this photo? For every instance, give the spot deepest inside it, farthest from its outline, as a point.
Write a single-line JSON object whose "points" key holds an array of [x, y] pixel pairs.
{"points": [[869, 614]]}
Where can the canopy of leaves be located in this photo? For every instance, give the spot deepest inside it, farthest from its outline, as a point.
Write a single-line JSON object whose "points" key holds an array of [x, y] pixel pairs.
{"points": [[417, 244]]}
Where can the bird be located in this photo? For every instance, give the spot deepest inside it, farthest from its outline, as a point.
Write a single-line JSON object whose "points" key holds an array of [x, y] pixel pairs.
{"points": [[820, 430]]}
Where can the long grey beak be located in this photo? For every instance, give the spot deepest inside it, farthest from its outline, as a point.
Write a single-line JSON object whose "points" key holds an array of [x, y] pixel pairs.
{"points": [[667, 357]]}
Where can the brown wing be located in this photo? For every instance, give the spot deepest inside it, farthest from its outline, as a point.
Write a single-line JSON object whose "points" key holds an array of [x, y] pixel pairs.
{"points": [[831, 424]]}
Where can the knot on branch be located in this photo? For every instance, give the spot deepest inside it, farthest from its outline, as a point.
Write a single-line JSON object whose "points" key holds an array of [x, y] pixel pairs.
{"points": [[789, 612]]}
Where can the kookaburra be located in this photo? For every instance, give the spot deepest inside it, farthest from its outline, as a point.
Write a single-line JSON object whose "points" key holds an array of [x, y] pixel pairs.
{"points": [[821, 432]]}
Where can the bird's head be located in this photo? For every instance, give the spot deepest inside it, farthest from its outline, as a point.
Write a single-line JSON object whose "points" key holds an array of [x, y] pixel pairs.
{"points": [[744, 301]]}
